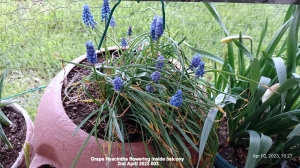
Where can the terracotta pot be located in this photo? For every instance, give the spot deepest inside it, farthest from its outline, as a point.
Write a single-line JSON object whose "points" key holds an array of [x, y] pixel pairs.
{"points": [[20, 161], [55, 144], [54, 141]]}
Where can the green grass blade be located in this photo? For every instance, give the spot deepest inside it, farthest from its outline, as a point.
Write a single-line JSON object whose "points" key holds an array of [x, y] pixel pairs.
{"points": [[292, 42], [295, 131], [216, 15], [254, 75], [206, 130], [262, 36], [207, 55], [1, 83]]}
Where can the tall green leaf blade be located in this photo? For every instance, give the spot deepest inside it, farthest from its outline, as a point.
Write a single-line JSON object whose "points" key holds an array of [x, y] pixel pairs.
{"points": [[3, 119], [295, 132], [289, 12], [4, 138], [243, 49], [120, 135], [206, 130], [254, 75], [281, 74], [276, 39], [207, 55], [230, 56], [292, 42], [265, 145], [254, 146], [262, 36], [216, 15]]}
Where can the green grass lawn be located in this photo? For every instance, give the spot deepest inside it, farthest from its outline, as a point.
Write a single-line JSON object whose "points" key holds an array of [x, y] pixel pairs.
{"points": [[33, 33]]}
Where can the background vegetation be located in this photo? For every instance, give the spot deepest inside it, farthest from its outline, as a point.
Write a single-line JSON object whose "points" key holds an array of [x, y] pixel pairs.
{"points": [[33, 33]]}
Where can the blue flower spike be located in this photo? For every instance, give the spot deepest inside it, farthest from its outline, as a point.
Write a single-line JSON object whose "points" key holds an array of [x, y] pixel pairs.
{"points": [[91, 54], [105, 10], [200, 71], [118, 83], [129, 32], [159, 29], [152, 28], [87, 17], [160, 64], [112, 22], [155, 76], [149, 89], [196, 61], [176, 100], [124, 42]]}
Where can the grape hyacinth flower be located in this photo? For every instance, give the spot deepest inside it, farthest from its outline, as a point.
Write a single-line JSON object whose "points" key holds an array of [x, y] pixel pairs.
{"points": [[118, 83], [196, 61], [156, 28], [176, 100], [152, 28], [149, 89], [91, 52], [112, 22], [129, 32], [87, 17], [160, 64], [124, 42], [159, 29], [200, 70], [105, 10], [155, 76]]}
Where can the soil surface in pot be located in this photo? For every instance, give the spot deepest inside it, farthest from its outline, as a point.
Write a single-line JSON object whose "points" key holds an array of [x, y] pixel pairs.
{"points": [[237, 155], [78, 105], [16, 134]]}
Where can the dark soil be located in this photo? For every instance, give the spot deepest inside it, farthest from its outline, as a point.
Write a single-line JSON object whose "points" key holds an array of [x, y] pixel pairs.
{"points": [[16, 134], [237, 155], [78, 105]]}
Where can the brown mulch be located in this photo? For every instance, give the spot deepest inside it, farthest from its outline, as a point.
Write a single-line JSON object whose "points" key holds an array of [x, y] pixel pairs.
{"points": [[16, 134]]}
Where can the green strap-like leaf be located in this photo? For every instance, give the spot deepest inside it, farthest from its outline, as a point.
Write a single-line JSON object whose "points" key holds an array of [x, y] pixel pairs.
{"points": [[216, 15], [292, 42], [3, 119], [207, 55], [4, 138], [254, 146], [206, 130], [262, 36], [295, 131], [265, 145], [281, 74], [254, 75]]}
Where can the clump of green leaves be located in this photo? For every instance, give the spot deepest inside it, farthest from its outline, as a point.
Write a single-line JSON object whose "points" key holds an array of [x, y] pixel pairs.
{"points": [[261, 100], [148, 88], [3, 119]]}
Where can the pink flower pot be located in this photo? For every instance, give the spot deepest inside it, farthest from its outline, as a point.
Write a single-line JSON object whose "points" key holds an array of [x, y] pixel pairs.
{"points": [[20, 161], [55, 144]]}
